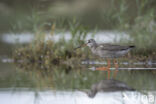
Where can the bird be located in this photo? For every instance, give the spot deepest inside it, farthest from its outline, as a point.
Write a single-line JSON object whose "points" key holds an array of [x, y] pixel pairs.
{"points": [[108, 85], [108, 51]]}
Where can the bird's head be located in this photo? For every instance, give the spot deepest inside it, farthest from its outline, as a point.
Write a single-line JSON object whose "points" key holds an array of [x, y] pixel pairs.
{"points": [[90, 43]]}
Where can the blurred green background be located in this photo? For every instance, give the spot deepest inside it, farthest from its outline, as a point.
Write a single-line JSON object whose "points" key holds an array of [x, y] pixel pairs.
{"points": [[104, 14]]}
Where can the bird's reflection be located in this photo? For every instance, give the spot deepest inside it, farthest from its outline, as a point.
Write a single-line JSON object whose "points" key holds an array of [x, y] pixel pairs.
{"points": [[108, 85]]}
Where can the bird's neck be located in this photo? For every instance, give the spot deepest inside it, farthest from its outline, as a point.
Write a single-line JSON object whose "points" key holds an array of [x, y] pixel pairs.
{"points": [[94, 46]]}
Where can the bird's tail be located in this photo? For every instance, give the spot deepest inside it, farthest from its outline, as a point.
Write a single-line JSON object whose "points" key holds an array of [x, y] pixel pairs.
{"points": [[132, 46]]}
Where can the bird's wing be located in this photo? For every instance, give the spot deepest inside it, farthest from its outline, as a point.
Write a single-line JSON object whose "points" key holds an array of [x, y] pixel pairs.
{"points": [[112, 47]]}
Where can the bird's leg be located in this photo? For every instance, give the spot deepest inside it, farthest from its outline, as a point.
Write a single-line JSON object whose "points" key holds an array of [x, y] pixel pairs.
{"points": [[105, 68], [108, 68], [116, 67]]}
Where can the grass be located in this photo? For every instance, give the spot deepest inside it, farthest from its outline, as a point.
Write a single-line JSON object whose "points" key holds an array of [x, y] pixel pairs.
{"points": [[144, 32]]}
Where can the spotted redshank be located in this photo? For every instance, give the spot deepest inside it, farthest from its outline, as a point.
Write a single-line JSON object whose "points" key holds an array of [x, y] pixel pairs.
{"points": [[107, 51]]}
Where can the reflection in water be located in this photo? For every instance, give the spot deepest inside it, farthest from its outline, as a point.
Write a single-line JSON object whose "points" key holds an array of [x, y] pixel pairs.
{"points": [[109, 85], [68, 97], [125, 65], [92, 62], [70, 77], [7, 60]]}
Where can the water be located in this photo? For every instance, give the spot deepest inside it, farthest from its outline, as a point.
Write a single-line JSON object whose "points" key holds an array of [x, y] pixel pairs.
{"points": [[74, 97], [102, 36]]}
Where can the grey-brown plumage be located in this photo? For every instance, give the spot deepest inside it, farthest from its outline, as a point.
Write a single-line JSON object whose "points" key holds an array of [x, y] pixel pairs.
{"points": [[109, 85], [108, 50]]}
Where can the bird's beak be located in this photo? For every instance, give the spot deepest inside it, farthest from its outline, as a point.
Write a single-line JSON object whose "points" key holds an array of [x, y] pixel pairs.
{"points": [[83, 45]]}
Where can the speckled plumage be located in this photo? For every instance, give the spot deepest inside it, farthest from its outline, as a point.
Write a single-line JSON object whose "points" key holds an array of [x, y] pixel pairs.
{"points": [[108, 50]]}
